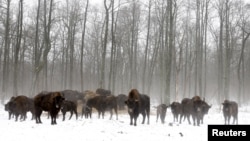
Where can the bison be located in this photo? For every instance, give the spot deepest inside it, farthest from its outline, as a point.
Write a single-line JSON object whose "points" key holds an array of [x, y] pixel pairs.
{"points": [[75, 96], [192, 107], [137, 103], [18, 106], [103, 103], [161, 111], [86, 111], [204, 109], [120, 101], [7, 107], [176, 110], [48, 101], [230, 109], [103, 92], [69, 106]]}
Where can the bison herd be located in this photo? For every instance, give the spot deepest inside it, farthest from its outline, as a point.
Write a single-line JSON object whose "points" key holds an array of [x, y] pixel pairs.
{"points": [[103, 100]]}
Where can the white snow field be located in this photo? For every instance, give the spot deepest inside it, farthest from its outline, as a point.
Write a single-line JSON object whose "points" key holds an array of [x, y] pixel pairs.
{"points": [[111, 130]]}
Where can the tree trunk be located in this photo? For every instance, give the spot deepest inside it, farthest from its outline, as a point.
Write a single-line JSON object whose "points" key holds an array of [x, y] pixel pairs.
{"points": [[18, 46], [145, 68], [83, 43], [5, 78], [104, 48]]}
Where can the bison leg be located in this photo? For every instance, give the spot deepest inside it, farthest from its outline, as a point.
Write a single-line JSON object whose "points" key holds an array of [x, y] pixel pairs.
{"points": [[116, 113], [157, 116], [131, 120], [75, 111], [90, 113], [228, 119], [16, 117], [103, 114], [53, 119], [10, 113], [99, 114], [111, 114], [188, 118], [38, 113], [235, 120], [144, 116], [148, 116], [64, 113], [135, 119], [71, 114], [194, 119]]}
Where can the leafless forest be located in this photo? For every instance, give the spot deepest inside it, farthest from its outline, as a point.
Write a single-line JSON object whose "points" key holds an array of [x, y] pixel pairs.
{"points": [[168, 49]]}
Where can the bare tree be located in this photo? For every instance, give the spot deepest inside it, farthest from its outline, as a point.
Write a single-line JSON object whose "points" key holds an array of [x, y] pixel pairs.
{"points": [[83, 43], [18, 46], [105, 42], [5, 78]]}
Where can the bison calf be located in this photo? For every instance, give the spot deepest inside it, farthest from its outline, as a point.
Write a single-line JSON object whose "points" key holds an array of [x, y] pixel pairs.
{"points": [[86, 111], [69, 106], [161, 111], [176, 110], [230, 108]]}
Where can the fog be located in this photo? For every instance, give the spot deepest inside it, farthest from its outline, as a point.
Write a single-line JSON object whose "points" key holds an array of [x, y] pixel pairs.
{"points": [[70, 45]]}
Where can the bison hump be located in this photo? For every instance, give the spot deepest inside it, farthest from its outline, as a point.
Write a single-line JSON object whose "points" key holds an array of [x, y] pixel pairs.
{"points": [[133, 94]]}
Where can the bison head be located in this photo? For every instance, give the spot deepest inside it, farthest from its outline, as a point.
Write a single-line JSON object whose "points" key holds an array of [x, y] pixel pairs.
{"points": [[205, 107], [58, 101], [174, 106], [226, 105], [197, 106], [132, 104]]}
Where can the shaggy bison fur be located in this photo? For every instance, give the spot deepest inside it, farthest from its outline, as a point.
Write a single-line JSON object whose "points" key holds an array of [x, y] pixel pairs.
{"points": [[18, 105], [86, 111], [137, 103], [8, 108], [161, 111], [176, 110], [230, 109], [50, 102], [192, 107], [103, 103], [204, 109], [69, 106], [103, 92]]}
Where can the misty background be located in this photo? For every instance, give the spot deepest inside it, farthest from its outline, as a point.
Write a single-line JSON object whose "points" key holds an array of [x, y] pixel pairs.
{"points": [[168, 49]]}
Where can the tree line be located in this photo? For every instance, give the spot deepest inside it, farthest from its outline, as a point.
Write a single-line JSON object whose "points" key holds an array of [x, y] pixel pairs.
{"points": [[168, 49]]}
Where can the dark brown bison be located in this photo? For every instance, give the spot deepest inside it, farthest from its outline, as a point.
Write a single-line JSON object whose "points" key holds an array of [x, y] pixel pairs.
{"points": [[230, 109], [102, 104], [192, 107], [204, 109], [137, 103], [8, 108], [120, 101], [86, 111], [18, 106], [176, 110], [103, 92], [69, 106], [50, 102], [161, 111], [75, 96]]}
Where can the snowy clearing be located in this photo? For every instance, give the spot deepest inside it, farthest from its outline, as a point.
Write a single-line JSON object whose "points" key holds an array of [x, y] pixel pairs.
{"points": [[110, 130]]}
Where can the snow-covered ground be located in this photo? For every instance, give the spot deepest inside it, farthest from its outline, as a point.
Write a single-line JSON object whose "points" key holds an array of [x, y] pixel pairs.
{"points": [[111, 130]]}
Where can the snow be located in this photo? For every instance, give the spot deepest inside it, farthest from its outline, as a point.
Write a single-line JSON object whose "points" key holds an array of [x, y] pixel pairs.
{"points": [[111, 130]]}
